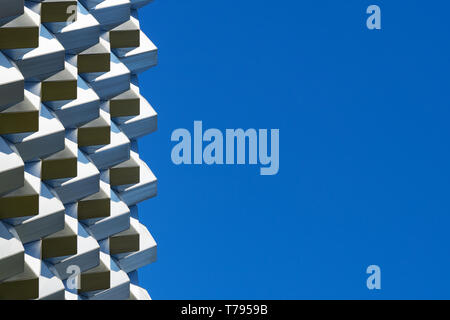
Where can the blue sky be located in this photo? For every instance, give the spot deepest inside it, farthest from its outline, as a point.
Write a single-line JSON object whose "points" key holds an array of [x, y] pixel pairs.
{"points": [[364, 149]]}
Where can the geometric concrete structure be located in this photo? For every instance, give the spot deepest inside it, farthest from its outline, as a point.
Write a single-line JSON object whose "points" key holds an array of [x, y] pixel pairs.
{"points": [[71, 177]]}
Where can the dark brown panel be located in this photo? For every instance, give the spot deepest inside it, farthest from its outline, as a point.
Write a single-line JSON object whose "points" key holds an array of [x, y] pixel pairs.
{"points": [[58, 169], [59, 90], [124, 39], [94, 136], [98, 62], [124, 108], [56, 11], [19, 38], [97, 208]]}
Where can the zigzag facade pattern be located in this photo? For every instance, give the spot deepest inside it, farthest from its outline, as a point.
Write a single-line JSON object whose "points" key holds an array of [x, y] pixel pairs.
{"points": [[70, 172]]}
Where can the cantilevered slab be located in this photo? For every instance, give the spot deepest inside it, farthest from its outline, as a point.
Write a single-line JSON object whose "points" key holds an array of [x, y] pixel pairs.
{"points": [[21, 32], [11, 170], [119, 286], [97, 278], [109, 13], [62, 164], [110, 84], [125, 241], [11, 254], [40, 62], [147, 247], [48, 140], [11, 83], [79, 35], [75, 113], [59, 86], [86, 258], [61, 243], [117, 151], [21, 117], [84, 184], [138, 293], [125, 35], [23, 286], [57, 167], [94, 206], [125, 104], [22, 202], [95, 59], [145, 189], [10, 8], [144, 123], [141, 58], [95, 133], [50, 287], [49, 220], [118, 221], [124, 173]]}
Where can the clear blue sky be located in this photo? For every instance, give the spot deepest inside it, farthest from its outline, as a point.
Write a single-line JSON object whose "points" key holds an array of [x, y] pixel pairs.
{"points": [[364, 149]]}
